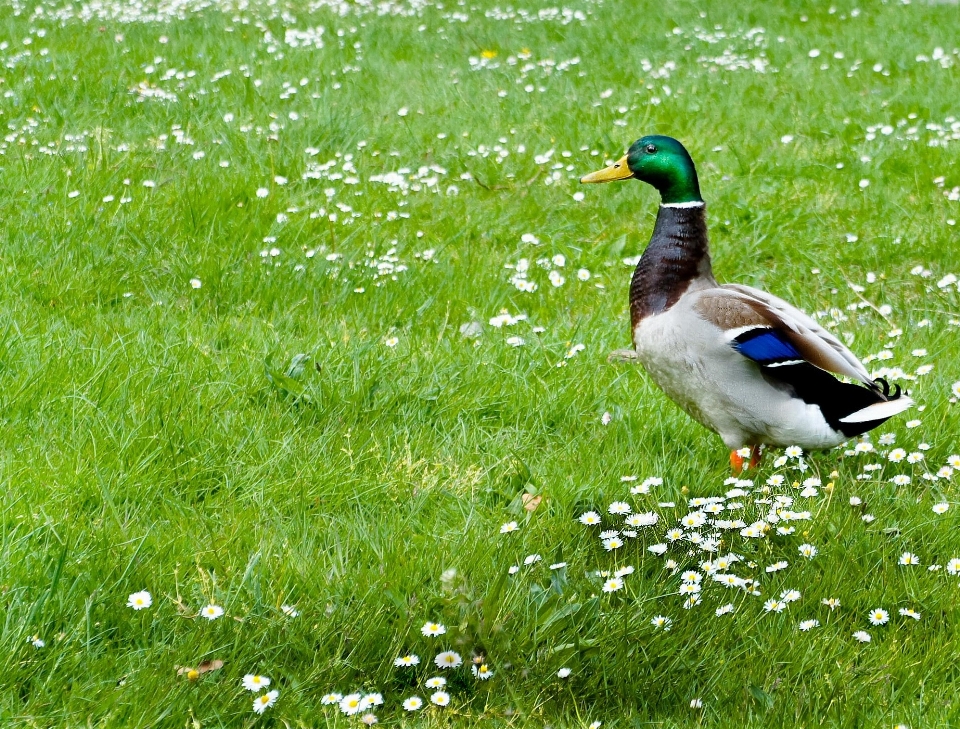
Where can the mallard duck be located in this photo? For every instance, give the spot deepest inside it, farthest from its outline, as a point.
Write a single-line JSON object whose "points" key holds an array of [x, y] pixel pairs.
{"points": [[746, 364]]}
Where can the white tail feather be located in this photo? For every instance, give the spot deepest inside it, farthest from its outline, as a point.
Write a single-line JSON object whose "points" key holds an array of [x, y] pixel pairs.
{"points": [[879, 410]]}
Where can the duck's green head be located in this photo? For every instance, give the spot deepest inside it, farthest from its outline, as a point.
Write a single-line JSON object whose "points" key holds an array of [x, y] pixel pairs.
{"points": [[659, 161]]}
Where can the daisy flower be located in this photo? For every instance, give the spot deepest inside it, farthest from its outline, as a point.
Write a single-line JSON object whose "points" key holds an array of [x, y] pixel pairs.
{"points": [[328, 699], [36, 641], [448, 659], [590, 518], [140, 600], [908, 558], [953, 566], [531, 559], [776, 606], [408, 660], [432, 630], [940, 508], [290, 611], [619, 507], [661, 622], [265, 701], [807, 550], [351, 704], [436, 682], [412, 704], [510, 526], [212, 612], [372, 700], [794, 451], [809, 625], [642, 520], [563, 673], [862, 636], [724, 610], [897, 455], [831, 602], [369, 719], [481, 671], [612, 543], [613, 584], [909, 613], [440, 698], [254, 682], [879, 616]]}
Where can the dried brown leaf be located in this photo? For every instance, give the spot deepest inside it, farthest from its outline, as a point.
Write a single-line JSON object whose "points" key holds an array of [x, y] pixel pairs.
{"points": [[531, 502]]}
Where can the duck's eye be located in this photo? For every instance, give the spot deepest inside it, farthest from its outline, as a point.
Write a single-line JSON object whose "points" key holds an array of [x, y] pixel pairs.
{"points": [[651, 148]]}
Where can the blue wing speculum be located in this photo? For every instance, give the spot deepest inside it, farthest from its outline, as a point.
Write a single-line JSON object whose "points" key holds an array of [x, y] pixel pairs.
{"points": [[767, 347]]}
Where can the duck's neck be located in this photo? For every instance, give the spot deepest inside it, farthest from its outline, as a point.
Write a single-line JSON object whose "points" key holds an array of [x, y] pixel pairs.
{"points": [[676, 260]]}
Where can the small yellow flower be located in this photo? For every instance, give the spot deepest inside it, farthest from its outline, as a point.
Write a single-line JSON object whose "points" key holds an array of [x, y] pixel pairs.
{"points": [[489, 54]]}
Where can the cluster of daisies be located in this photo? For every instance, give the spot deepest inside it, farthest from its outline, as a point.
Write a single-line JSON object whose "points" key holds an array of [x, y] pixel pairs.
{"points": [[434, 687], [691, 544], [256, 683]]}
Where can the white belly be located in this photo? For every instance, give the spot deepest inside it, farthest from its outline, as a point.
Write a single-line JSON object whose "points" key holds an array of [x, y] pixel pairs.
{"points": [[693, 364]]}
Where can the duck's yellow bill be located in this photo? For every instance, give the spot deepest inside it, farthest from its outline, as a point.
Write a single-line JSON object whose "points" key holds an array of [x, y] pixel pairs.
{"points": [[619, 170]]}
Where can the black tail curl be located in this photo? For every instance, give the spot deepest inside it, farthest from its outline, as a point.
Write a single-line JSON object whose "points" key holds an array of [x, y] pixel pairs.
{"points": [[884, 387]]}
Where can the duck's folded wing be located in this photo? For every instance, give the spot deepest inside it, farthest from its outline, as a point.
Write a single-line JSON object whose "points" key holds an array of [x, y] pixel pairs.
{"points": [[773, 333]]}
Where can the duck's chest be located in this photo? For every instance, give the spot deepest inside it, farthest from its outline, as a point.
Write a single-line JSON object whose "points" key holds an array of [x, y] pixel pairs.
{"points": [[673, 352]]}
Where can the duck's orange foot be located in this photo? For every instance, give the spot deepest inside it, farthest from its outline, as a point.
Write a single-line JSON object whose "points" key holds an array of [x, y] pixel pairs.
{"points": [[738, 463]]}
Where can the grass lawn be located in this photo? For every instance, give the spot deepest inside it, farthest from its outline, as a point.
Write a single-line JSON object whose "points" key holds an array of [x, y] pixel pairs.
{"points": [[302, 302]]}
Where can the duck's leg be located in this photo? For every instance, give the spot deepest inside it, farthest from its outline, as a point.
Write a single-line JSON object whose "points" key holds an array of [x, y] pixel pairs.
{"points": [[739, 464], [736, 463]]}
